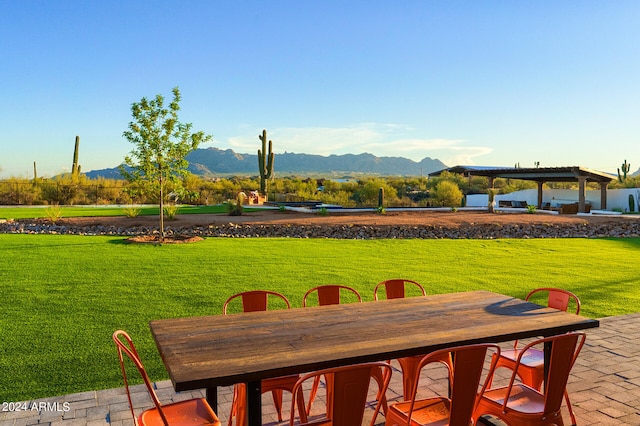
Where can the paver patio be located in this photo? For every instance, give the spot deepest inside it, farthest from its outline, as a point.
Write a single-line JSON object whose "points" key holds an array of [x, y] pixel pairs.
{"points": [[604, 389]]}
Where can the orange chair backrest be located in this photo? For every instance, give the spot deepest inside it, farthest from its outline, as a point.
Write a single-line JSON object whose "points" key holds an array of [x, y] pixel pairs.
{"points": [[468, 365], [395, 288], [329, 294], [255, 300], [127, 348], [467, 371], [557, 298], [564, 352], [350, 390], [565, 349]]}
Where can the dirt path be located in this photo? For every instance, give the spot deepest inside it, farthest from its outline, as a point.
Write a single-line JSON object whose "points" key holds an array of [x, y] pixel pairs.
{"points": [[274, 217]]}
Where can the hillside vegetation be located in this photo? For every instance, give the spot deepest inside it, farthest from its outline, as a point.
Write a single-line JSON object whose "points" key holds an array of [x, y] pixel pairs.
{"points": [[349, 191]]}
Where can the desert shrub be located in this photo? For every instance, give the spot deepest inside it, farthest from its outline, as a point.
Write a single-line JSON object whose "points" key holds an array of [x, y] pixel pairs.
{"points": [[131, 211], [107, 191], [235, 206], [218, 191], [447, 194], [514, 185], [17, 191], [367, 192], [170, 211], [342, 198], [53, 213]]}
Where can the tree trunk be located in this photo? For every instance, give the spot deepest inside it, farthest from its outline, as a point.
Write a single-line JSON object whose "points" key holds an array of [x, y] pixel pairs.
{"points": [[161, 208]]}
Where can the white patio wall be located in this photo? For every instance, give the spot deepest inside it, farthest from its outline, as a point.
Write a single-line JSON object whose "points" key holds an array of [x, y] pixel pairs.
{"points": [[477, 200], [617, 199]]}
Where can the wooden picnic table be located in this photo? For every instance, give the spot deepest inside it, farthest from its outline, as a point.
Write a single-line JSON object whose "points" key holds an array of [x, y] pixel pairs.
{"points": [[221, 350]]}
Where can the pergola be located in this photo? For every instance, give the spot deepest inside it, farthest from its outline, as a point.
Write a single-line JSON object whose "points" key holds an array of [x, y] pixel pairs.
{"points": [[541, 175]]}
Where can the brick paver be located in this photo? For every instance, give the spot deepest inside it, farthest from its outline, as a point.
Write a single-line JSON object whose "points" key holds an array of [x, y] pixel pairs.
{"points": [[604, 388]]}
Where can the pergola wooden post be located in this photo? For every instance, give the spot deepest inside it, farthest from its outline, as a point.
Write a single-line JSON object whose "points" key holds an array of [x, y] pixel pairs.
{"points": [[540, 183], [603, 195], [491, 206], [582, 193]]}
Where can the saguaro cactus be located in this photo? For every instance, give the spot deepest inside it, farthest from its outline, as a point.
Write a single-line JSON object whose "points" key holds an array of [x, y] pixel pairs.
{"points": [[75, 169], [35, 173], [265, 162], [625, 169]]}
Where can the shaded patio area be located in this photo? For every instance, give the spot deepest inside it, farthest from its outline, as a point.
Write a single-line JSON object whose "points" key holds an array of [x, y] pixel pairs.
{"points": [[540, 175]]}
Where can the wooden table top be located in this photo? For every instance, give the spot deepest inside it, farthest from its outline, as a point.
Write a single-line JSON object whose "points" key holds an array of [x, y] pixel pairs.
{"points": [[220, 350]]}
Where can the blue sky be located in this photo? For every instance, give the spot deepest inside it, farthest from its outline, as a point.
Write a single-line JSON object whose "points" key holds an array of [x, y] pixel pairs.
{"points": [[468, 82]]}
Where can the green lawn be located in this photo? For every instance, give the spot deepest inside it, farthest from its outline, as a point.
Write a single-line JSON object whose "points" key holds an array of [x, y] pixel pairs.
{"points": [[63, 296], [95, 211]]}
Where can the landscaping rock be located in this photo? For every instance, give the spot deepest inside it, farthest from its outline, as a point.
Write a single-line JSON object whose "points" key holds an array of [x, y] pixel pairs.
{"points": [[359, 232]]}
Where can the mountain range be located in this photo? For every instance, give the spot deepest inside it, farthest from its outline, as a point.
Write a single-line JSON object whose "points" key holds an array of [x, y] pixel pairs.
{"points": [[215, 162]]}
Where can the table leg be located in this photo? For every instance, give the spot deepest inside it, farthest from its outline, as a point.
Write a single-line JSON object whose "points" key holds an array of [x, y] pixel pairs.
{"points": [[211, 395], [409, 366], [547, 360], [254, 403], [452, 360]]}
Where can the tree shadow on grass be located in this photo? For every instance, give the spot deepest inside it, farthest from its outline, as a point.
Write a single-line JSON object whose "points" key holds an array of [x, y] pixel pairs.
{"points": [[632, 242]]}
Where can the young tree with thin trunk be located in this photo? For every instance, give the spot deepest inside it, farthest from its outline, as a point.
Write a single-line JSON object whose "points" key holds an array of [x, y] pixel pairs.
{"points": [[161, 144]]}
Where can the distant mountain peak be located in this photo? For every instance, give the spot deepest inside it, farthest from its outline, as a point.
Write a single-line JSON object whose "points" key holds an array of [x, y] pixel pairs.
{"points": [[215, 161]]}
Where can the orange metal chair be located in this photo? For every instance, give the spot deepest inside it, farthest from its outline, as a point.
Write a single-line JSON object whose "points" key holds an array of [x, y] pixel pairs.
{"points": [[254, 301], [348, 399], [188, 413], [531, 369], [397, 289], [329, 294], [464, 378], [518, 403]]}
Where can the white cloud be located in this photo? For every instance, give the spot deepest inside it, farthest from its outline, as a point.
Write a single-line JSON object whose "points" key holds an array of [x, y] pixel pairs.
{"points": [[464, 156], [311, 140], [382, 140]]}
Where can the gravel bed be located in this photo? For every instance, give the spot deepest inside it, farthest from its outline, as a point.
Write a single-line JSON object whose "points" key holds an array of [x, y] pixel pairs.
{"points": [[364, 232]]}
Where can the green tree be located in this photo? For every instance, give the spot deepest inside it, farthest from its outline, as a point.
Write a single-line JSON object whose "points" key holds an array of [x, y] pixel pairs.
{"points": [[367, 192], [161, 145], [513, 185], [448, 194]]}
